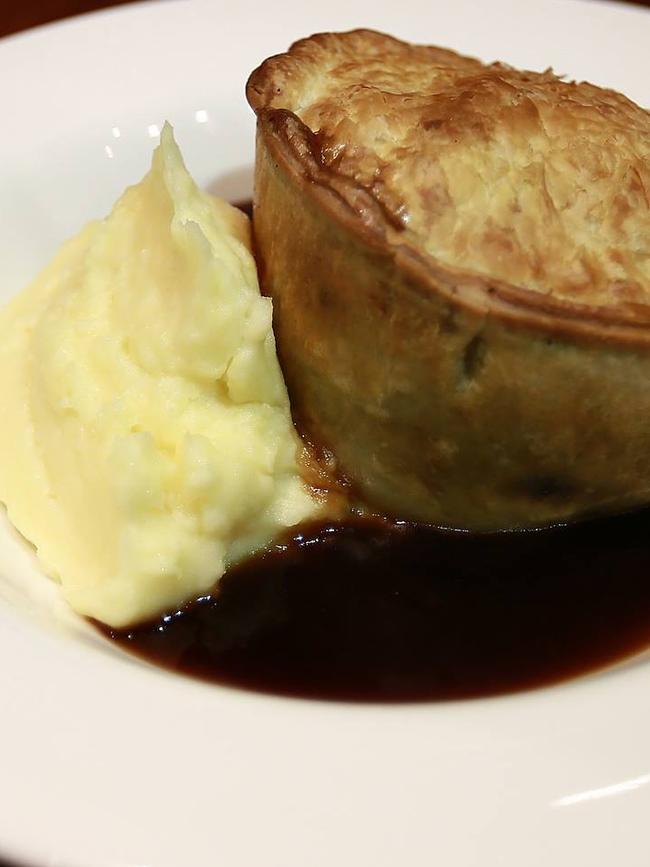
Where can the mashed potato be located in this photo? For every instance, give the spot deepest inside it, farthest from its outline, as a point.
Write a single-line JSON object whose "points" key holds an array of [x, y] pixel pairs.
{"points": [[146, 439]]}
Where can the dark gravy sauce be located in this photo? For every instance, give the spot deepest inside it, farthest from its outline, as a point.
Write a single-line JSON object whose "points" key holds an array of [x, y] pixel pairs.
{"points": [[370, 611]]}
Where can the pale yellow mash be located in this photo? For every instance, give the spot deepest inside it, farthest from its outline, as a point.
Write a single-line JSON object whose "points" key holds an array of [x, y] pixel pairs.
{"points": [[146, 440]]}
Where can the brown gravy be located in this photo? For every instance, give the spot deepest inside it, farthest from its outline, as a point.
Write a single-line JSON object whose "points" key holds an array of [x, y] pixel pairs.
{"points": [[369, 611]]}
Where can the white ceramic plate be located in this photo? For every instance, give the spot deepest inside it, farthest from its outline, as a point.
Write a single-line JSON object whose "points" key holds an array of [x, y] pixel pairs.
{"points": [[107, 762]]}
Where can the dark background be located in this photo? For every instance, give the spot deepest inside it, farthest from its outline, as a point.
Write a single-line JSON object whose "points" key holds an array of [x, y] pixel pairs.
{"points": [[22, 15], [16, 15]]}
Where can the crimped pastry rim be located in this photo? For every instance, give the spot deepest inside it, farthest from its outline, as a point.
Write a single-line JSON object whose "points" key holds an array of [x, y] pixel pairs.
{"points": [[290, 142]]}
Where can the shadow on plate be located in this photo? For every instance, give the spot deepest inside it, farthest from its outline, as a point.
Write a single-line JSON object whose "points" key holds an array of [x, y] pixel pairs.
{"points": [[234, 186]]}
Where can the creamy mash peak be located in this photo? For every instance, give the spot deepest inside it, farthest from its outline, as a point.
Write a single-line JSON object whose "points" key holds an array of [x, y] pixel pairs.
{"points": [[146, 440]]}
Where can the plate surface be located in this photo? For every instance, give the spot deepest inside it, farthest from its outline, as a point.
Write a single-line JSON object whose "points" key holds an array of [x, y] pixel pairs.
{"points": [[108, 762]]}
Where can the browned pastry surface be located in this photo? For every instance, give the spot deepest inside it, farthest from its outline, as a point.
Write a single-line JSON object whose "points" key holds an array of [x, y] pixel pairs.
{"points": [[512, 175], [459, 256]]}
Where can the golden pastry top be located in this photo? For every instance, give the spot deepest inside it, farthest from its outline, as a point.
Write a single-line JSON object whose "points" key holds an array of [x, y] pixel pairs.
{"points": [[510, 175]]}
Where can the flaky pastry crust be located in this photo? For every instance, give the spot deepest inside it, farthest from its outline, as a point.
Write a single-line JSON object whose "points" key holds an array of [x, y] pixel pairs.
{"points": [[459, 256]]}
